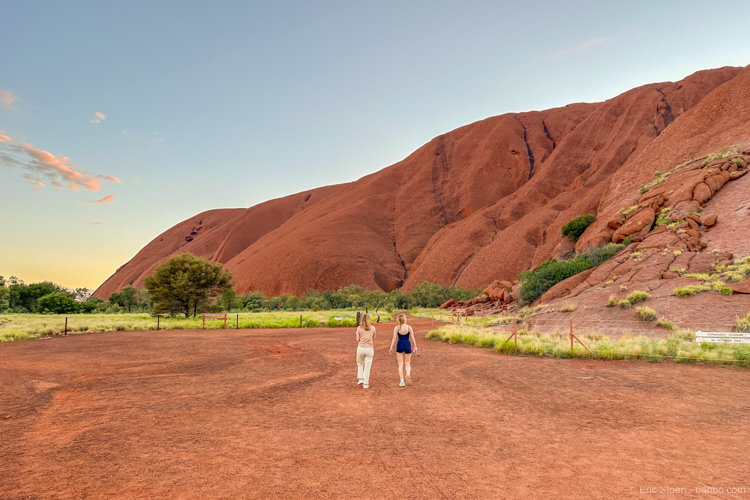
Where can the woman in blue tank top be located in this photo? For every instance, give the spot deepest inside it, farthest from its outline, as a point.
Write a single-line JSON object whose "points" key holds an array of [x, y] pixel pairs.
{"points": [[403, 338]]}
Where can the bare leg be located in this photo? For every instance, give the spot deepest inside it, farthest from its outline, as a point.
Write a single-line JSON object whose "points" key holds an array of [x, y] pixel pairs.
{"points": [[407, 362], [400, 356]]}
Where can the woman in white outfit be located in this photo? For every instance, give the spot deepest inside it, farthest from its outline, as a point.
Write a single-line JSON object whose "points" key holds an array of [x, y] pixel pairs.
{"points": [[365, 350]]}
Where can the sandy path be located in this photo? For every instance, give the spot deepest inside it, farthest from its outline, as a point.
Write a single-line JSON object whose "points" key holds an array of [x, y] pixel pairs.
{"points": [[277, 413]]}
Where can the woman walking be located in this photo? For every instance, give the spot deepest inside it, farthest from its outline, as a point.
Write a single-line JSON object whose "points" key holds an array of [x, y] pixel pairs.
{"points": [[403, 338], [365, 350]]}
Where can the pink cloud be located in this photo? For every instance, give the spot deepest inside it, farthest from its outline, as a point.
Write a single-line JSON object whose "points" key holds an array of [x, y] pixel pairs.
{"points": [[96, 223], [106, 199], [7, 98], [37, 191], [110, 178], [98, 117], [41, 163]]}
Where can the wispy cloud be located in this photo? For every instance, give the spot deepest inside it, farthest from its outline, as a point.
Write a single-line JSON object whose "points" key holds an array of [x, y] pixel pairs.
{"points": [[96, 223], [37, 191], [591, 42], [40, 164], [7, 98], [98, 117], [106, 199]]}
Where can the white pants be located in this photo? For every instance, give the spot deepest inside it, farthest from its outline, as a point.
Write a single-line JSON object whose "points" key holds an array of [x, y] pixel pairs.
{"points": [[364, 363]]}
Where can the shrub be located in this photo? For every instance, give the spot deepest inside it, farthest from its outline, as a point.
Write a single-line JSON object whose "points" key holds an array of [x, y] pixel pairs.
{"points": [[612, 301], [625, 303], [667, 325], [602, 254], [575, 228], [629, 210], [568, 308], [646, 313], [638, 296], [551, 272], [623, 288], [743, 324], [686, 291]]}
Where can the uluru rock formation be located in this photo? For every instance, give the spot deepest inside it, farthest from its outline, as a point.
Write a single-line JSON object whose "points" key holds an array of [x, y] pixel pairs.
{"points": [[479, 204]]}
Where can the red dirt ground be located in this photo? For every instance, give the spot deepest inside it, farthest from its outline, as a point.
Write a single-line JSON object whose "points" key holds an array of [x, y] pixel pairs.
{"points": [[277, 414]]}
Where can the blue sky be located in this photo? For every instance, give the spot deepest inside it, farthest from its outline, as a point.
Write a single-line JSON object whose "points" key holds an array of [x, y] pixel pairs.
{"points": [[219, 104]]}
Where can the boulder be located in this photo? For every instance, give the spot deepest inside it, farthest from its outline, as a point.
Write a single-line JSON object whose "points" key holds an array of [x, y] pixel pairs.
{"points": [[702, 193], [448, 304], [640, 223], [737, 174], [709, 220], [683, 209], [717, 181]]}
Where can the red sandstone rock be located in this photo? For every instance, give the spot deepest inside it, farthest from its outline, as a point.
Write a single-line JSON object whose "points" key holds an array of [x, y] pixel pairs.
{"points": [[413, 215], [702, 193], [636, 224], [449, 303], [709, 220], [741, 287]]}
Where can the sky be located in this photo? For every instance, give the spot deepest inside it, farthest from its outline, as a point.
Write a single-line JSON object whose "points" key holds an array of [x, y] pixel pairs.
{"points": [[120, 119]]}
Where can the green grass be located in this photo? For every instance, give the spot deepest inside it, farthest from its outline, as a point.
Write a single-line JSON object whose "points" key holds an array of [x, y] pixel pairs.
{"points": [[680, 346], [688, 290], [646, 313], [31, 326], [638, 296], [743, 324]]}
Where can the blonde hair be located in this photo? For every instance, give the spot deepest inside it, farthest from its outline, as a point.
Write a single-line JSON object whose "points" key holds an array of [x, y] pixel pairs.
{"points": [[365, 322], [401, 318]]}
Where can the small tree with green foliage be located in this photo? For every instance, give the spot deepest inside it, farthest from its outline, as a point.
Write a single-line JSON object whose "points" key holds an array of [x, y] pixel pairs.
{"points": [[58, 303], [182, 283], [129, 297], [575, 228]]}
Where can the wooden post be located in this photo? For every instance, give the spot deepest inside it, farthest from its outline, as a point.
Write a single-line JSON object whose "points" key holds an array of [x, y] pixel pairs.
{"points": [[157, 322], [238, 322], [300, 321], [66, 325], [571, 335], [515, 331]]}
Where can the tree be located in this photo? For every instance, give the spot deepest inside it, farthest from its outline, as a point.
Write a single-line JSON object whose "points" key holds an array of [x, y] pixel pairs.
{"points": [[58, 303], [28, 295], [4, 295], [129, 297], [183, 282], [227, 298]]}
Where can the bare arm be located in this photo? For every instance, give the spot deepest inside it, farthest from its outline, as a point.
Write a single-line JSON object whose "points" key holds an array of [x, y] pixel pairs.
{"points": [[356, 334], [393, 340], [412, 338]]}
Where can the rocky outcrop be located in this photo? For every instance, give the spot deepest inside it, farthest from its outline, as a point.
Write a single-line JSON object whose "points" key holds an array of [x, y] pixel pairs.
{"points": [[483, 202]]}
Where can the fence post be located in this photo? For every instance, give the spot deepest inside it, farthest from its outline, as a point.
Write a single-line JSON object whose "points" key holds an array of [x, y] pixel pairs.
{"points": [[571, 336], [238, 322], [515, 332], [157, 322], [66, 325], [300, 321]]}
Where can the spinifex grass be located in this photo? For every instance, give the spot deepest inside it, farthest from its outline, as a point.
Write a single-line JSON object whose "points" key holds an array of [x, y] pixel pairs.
{"points": [[680, 346], [30, 326]]}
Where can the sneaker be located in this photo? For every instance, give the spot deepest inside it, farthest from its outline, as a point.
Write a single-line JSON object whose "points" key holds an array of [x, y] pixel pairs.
{"points": [[402, 384], [408, 379], [365, 386], [360, 382]]}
